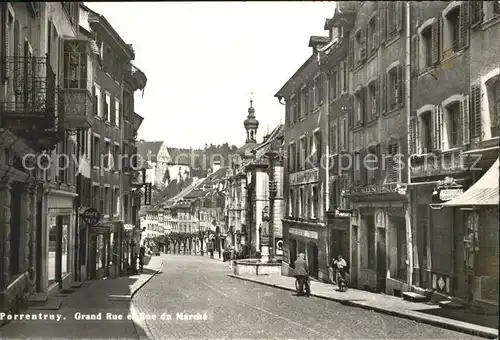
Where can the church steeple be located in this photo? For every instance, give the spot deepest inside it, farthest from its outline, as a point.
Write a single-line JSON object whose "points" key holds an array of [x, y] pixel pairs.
{"points": [[251, 124]]}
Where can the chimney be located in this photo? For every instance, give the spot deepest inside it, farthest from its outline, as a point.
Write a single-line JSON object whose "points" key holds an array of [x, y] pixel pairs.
{"points": [[215, 166]]}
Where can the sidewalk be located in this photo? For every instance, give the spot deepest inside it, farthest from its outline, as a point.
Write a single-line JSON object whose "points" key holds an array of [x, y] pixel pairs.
{"points": [[94, 299], [421, 312]]}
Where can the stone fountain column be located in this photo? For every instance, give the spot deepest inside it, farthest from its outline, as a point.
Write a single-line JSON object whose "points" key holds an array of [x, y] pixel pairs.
{"points": [[264, 238]]}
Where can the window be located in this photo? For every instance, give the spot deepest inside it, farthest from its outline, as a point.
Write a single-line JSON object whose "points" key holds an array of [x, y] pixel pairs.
{"points": [[496, 7], [395, 87], [452, 27], [345, 77], [303, 101], [302, 207], [315, 203], [333, 138], [394, 17], [75, 64], [106, 109], [373, 31], [303, 154], [343, 134], [107, 201], [392, 161], [358, 43], [426, 46], [127, 106], [107, 163], [495, 110], [358, 107], [372, 165], [344, 184], [373, 98], [334, 85], [317, 91], [453, 124], [96, 151], [117, 113], [293, 153], [316, 148], [98, 101], [96, 195], [426, 131], [293, 108], [116, 157], [125, 158]]}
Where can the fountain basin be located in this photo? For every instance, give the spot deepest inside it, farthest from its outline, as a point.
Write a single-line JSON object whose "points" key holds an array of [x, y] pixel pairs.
{"points": [[255, 267]]}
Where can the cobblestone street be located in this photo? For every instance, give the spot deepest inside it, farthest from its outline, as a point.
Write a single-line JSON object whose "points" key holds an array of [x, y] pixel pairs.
{"points": [[243, 310]]}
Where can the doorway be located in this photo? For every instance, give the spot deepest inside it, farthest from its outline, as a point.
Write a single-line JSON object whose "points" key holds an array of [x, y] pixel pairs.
{"points": [[354, 257], [381, 260], [312, 259], [292, 245]]}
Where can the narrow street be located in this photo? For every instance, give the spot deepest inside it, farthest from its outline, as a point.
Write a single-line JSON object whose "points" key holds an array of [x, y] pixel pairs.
{"points": [[238, 309]]}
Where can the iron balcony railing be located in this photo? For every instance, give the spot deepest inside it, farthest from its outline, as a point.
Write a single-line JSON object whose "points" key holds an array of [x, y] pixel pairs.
{"points": [[31, 86]]}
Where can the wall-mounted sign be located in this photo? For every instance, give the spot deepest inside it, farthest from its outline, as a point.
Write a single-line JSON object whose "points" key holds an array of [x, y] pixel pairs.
{"points": [[444, 194], [342, 213], [278, 246], [304, 233], [100, 229], [91, 216], [373, 190], [304, 177]]}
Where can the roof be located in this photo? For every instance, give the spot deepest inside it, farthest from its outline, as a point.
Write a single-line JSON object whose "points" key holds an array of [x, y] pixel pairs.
{"points": [[305, 72], [144, 148], [317, 40], [172, 201], [246, 150], [278, 130], [483, 193], [180, 156], [219, 174]]}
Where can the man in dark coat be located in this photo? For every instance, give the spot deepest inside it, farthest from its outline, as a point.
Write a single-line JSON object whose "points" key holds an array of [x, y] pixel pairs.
{"points": [[301, 272]]}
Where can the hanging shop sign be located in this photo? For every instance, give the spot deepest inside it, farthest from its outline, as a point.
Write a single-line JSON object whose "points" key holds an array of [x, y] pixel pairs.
{"points": [[446, 190], [147, 194], [278, 246], [91, 217]]}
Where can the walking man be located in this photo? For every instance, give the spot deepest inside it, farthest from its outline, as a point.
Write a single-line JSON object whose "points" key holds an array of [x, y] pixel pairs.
{"points": [[302, 274]]}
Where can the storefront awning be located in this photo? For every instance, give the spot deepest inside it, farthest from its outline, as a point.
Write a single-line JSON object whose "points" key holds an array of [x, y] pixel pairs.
{"points": [[484, 192]]}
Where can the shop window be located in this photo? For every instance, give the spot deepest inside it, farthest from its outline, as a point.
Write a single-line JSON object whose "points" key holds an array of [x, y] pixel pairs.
{"points": [[65, 245], [51, 261]]}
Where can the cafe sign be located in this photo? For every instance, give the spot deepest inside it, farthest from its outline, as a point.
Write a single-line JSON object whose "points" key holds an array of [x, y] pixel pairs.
{"points": [[447, 190], [91, 217]]}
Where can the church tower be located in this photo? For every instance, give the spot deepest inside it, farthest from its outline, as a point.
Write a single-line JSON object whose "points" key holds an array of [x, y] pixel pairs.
{"points": [[251, 125]]}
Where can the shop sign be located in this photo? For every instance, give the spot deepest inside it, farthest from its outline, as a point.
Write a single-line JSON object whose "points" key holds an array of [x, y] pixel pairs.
{"points": [[147, 194], [100, 229], [91, 216], [446, 194], [278, 246], [342, 213], [374, 190], [264, 240], [303, 233], [304, 177]]}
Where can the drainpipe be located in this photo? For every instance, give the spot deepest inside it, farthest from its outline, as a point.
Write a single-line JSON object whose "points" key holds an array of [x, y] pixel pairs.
{"points": [[408, 215]]}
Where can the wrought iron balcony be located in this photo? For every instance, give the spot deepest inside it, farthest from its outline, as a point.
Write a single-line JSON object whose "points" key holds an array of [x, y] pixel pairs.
{"points": [[75, 108], [28, 109]]}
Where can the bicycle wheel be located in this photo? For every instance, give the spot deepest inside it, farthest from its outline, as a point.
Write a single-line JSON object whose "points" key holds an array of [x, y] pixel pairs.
{"points": [[296, 284]]}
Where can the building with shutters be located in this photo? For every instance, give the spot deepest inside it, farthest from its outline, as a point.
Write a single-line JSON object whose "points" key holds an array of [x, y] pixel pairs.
{"points": [[378, 129], [113, 185], [454, 133], [339, 103], [304, 178]]}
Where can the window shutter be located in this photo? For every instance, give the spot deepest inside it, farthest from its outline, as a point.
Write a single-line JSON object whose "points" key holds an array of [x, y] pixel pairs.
{"points": [[366, 33], [400, 84], [366, 105], [351, 53], [333, 137], [436, 40], [418, 143], [476, 8], [363, 176], [382, 22], [319, 147], [399, 15], [464, 24], [412, 137], [311, 96], [475, 111], [352, 112], [18, 55], [383, 93], [437, 128], [376, 34], [414, 55], [376, 86], [464, 118], [7, 67]]}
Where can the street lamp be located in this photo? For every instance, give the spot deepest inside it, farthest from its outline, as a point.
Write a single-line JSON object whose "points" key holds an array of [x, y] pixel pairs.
{"points": [[264, 237]]}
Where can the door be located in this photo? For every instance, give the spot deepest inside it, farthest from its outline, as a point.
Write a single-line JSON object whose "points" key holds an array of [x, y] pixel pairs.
{"points": [[292, 250], [313, 260], [92, 273], [470, 251], [39, 222], [381, 260], [354, 257]]}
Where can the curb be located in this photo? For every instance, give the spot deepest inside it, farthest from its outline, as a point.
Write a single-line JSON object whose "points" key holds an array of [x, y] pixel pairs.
{"points": [[441, 322], [146, 281]]}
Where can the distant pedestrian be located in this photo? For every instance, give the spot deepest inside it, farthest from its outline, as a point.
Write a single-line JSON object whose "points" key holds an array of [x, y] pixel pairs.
{"points": [[301, 272], [142, 253]]}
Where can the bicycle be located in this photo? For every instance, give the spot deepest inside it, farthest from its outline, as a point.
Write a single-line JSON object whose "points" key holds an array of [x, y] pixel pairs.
{"points": [[297, 285]]}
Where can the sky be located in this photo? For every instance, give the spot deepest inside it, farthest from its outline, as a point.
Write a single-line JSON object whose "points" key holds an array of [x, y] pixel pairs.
{"points": [[203, 60]]}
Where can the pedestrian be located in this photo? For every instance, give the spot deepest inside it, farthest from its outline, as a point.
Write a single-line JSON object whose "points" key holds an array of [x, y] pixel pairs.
{"points": [[142, 253], [301, 272], [341, 267], [219, 252]]}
